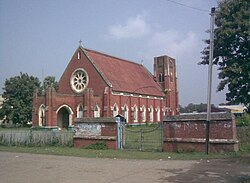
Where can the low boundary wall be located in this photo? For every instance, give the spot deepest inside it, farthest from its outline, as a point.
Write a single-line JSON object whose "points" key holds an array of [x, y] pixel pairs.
{"points": [[35, 137], [187, 133], [92, 130]]}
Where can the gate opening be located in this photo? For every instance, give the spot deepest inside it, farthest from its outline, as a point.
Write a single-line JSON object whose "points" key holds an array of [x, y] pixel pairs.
{"points": [[143, 138]]}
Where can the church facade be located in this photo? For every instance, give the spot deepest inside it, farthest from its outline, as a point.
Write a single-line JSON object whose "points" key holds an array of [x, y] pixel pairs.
{"points": [[97, 85]]}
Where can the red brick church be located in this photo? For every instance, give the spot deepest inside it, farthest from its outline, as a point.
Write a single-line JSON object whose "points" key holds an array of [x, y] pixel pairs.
{"points": [[95, 85]]}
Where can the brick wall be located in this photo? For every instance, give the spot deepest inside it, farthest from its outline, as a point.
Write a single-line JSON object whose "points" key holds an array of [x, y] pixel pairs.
{"points": [[92, 130], [83, 62], [188, 133]]}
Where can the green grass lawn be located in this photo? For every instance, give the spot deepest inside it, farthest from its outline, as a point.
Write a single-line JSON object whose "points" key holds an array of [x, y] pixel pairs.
{"points": [[118, 154]]}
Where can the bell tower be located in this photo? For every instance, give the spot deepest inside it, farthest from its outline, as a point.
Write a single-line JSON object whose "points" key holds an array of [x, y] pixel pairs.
{"points": [[165, 75]]}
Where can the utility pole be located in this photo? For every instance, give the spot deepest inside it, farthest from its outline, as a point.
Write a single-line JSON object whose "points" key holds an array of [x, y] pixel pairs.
{"points": [[211, 50]]}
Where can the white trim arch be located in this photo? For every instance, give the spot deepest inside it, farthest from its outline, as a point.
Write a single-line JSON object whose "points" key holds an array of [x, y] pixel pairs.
{"points": [[97, 111], [70, 111], [135, 113], [163, 111], [115, 110], [79, 111], [158, 114], [143, 114], [41, 115], [125, 111], [151, 114]]}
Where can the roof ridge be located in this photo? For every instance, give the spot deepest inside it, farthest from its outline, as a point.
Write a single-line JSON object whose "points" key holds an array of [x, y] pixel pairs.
{"points": [[139, 71], [115, 57]]}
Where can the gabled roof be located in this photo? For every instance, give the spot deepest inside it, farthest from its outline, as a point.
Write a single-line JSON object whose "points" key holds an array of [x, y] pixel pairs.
{"points": [[124, 75]]}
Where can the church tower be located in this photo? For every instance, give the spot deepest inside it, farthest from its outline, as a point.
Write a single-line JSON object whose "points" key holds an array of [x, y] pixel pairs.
{"points": [[165, 75]]}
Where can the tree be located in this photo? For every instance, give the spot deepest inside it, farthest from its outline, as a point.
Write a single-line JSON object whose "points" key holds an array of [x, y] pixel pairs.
{"points": [[50, 81], [231, 50], [18, 97], [190, 108]]}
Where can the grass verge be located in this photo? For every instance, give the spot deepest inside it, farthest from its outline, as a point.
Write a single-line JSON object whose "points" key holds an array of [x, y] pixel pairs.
{"points": [[118, 154]]}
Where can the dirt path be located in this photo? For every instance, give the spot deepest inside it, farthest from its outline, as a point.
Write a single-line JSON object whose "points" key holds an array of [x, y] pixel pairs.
{"points": [[25, 168]]}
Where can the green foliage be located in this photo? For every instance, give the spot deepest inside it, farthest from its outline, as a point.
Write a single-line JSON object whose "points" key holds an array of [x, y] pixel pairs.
{"points": [[189, 149], [243, 135], [55, 141], [50, 81], [190, 108], [244, 120], [231, 50], [100, 145], [18, 97]]}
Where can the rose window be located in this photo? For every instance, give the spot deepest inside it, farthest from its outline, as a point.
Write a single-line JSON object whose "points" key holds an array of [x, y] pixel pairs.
{"points": [[79, 80]]}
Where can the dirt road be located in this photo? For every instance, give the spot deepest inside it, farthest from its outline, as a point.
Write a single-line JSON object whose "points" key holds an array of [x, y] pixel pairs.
{"points": [[32, 168]]}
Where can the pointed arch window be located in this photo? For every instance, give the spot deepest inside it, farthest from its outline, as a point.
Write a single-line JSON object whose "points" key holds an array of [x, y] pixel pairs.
{"points": [[161, 77], [41, 115], [158, 114], [171, 77], [80, 111], [135, 114], [97, 112], [151, 114], [126, 112], [115, 110], [164, 111], [143, 114]]}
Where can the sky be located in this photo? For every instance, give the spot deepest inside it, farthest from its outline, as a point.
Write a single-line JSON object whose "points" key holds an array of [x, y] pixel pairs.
{"points": [[39, 37]]}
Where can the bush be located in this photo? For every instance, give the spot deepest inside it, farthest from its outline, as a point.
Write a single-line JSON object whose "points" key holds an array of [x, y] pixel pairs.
{"points": [[100, 145], [7, 125], [243, 135], [243, 120]]}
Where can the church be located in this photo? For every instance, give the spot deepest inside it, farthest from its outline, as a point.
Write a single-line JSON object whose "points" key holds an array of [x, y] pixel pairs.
{"points": [[95, 84]]}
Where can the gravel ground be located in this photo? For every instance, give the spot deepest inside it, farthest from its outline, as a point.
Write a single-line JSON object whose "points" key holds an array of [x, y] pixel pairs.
{"points": [[34, 168]]}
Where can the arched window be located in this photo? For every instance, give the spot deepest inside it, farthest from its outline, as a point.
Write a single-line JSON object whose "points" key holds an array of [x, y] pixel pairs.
{"points": [[126, 112], [151, 114], [161, 77], [80, 111], [115, 110], [158, 114], [171, 65], [96, 112], [41, 115], [143, 114], [164, 111], [135, 114], [171, 76]]}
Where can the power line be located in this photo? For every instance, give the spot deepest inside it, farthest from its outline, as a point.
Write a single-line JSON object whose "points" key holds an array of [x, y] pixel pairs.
{"points": [[187, 6]]}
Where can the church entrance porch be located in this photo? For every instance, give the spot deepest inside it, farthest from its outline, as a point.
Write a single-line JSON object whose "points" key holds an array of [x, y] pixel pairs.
{"points": [[64, 115]]}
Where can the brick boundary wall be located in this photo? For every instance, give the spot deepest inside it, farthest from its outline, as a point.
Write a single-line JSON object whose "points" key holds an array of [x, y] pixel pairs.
{"points": [[187, 133], [92, 130]]}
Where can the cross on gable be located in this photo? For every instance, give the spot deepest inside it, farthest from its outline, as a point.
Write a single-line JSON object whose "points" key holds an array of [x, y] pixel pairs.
{"points": [[80, 43]]}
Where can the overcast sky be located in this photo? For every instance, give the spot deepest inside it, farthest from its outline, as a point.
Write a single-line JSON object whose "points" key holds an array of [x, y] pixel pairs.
{"points": [[39, 37]]}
